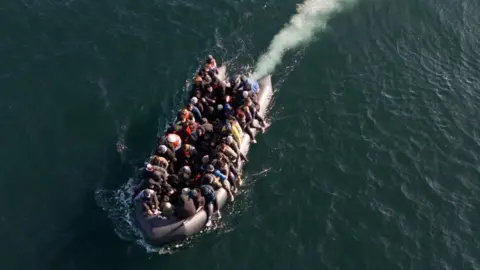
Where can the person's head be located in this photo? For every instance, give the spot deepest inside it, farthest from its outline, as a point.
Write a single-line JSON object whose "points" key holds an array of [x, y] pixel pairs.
{"points": [[204, 120], [167, 209], [220, 147], [210, 168], [210, 88], [229, 139], [207, 179], [200, 131], [205, 159], [219, 164], [219, 107], [248, 101], [156, 160], [245, 94], [243, 78], [162, 149], [209, 57], [149, 192], [185, 191], [186, 171], [189, 106], [182, 116], [149, 167], [227, 107], [193, 100], [210, 109], [198, 80], [171, 138], [192, 193], [198, 94], [186, 150]]}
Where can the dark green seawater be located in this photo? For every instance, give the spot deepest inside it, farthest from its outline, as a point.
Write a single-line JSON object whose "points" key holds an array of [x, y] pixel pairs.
{"points": [[371, 162]]}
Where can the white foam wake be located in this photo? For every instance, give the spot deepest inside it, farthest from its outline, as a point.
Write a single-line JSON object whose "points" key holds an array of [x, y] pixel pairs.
{"points": [[312, 16]]}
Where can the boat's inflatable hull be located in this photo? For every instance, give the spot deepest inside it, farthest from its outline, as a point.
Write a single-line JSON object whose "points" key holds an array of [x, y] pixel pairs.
{"points": [[158, 231]]}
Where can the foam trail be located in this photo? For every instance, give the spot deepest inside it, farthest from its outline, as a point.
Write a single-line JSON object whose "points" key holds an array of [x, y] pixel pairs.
{"points": [[311, 16]]}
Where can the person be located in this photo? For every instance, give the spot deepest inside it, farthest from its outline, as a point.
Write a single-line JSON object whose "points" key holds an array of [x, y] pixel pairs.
{"points": [[255, 115], [228, 111], [201, 141], [220, 179], [185, 205], [160, 187], [186, 156], [211, 202], [237, 132], [253, 85], [158, 173], [208, 96], [220, 114], [205, 75], [222, 169], [197, 115], [212, 64], [198, 199], [242, 96], [233, 145], [149, 201], [185, 176], [183, 117], [227, 150], [176, 184], [197, 85], [169, 155], [209, 178], [245, 118], [167, 209], [159, 161], [241, 83], [174, 141]]}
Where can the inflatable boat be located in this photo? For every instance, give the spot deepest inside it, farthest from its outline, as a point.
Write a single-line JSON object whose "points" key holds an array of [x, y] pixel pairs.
{"points": [[160, 230]]}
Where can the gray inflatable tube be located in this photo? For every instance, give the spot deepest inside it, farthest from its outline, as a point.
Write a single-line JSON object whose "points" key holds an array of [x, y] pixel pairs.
{"points": [[161, 231]]}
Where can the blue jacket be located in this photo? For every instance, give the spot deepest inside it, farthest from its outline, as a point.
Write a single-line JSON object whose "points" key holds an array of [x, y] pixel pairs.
{"points": [[217, 173], [197, 114], [254, 84], [222, 176]]}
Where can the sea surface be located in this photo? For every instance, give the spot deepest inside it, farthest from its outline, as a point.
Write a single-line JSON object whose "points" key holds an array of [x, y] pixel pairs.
{"points": [[371, 162]]}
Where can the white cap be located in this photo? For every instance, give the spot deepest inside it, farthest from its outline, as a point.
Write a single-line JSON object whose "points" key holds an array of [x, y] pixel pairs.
{"points": [[149, 192], [149, 166], [186, 169], [185, 191], [162, 149], [245, 94], [220, 107], [229, 139], [171, 138], [167, 206], [194, 100], [205, 159]]}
